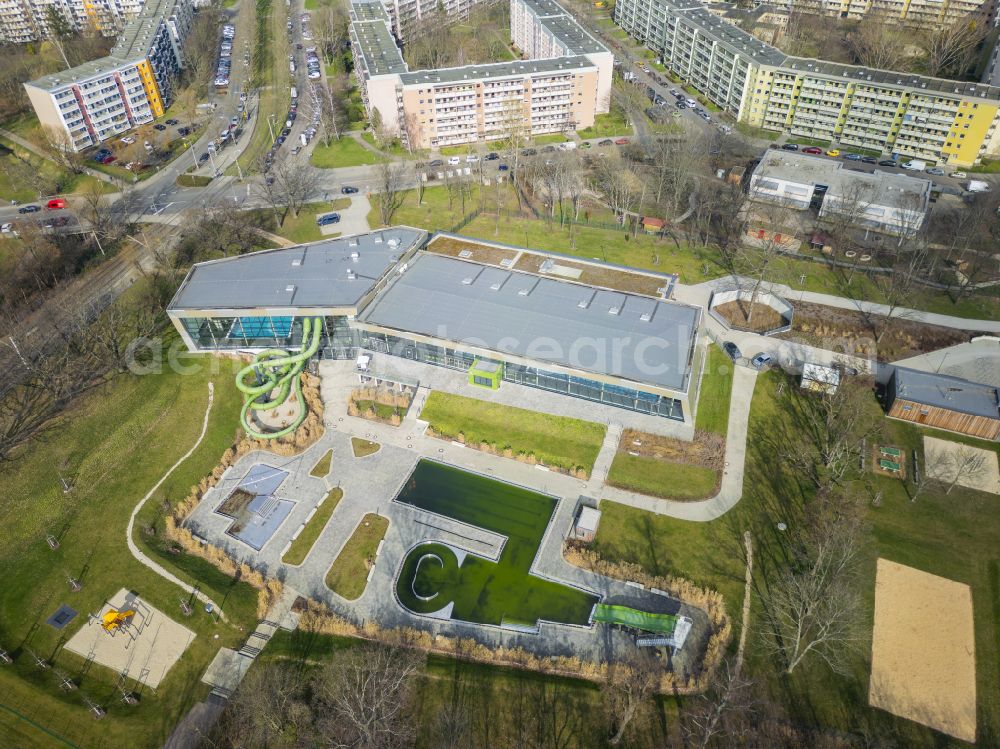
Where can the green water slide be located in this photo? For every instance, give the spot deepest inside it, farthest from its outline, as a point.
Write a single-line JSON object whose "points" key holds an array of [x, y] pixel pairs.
{"points": [[267, 382], [629, 617]]}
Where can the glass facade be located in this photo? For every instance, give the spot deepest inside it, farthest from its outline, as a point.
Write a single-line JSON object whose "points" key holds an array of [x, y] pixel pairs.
{"points": [[342, 341]]}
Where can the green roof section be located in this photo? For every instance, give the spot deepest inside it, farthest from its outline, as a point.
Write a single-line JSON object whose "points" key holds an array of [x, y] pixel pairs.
{"points": [[625, 616]]}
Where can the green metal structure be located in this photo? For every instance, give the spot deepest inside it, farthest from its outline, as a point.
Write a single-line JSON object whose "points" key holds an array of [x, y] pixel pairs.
{"points": [[628, 617], [277, 369], [485, 373]]}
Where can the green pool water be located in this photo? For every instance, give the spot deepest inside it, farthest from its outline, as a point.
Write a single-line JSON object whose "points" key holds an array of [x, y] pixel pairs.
{"points": [[483, 591]]}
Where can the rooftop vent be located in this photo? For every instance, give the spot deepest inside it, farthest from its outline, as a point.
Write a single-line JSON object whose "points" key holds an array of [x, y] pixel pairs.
{"points": [[615, 310], [297, 262], [523, 292], [377, 239], [393, 242], [352, 242], [465, 253], [645, 317], [507, 262], [290, 288], [351, 275], [355, 256], [495, 286]]}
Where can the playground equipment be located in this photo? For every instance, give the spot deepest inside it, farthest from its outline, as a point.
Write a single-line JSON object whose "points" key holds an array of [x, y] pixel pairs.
{"points": [[629, 617], [277, 370], [114, 619]]}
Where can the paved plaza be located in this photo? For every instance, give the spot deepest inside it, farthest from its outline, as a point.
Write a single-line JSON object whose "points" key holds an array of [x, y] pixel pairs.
{"points": [[370, 484]]}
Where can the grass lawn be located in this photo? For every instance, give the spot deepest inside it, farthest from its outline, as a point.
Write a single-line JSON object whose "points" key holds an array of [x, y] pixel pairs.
{"points": [[484, 591], [348, 574], [549, 138], [322, 466], [301, 228], [301, 546], [716, 387], [757, 132], [607, 125], [364, 448], [659, 478], [65, 183], [555, 440], [113, 445], [395, 147], [924, 534], [343, 152], [988, 166]]}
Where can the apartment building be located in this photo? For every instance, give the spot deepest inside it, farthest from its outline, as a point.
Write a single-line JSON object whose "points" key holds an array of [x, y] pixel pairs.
{"points": [[404, 14], [24, 21], [133, 85], [887, 113], [563, 89], [922, 14]]}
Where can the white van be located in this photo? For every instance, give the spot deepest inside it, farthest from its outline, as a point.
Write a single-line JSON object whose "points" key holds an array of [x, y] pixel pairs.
{"points": [[568, 145], [977, 185], [915, 165], [295, 94], [691, 103]]}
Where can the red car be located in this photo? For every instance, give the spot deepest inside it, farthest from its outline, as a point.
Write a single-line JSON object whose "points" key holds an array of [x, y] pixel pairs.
{"points": [[109, 159], [813, 150], [55, 204], [622, 142]]}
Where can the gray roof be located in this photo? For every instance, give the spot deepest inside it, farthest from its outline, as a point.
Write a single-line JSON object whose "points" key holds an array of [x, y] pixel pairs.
{"points": [[496, 70], [564, 27], [733, 38], [944, 391], [875, 186], [318, 273], [372, 33], [131, 47], [634, 337]]}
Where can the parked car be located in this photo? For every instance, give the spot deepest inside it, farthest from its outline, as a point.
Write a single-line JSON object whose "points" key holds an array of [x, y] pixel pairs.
{"points": [[622, 142], [436, 162], [491, 156], [790, 146], [183, 131], [454, 160], [503, 168], [936, 171], [330, 218], [109, 159], [29, 209], [869, 160], [203, 158], [128, 140], [852, 156], [732, 350], [762, 361], [348, 190], [887, 162], [172, 121], [958, 175], [7, 228], [605, 142], [812, 151], [55, 204], [160, 127], [833, 152], [471, 158]]}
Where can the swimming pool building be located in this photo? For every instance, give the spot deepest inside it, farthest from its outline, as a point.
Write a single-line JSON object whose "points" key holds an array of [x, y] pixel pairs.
{"points": [[583, 328]]}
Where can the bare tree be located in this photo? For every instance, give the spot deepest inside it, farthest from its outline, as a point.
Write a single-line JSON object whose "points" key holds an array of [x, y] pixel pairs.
{"points": [[757, 257], [268, 710], [363, 697], [877, 43], [514, 134], [58, 146], [721, 711], [619, 186], [628, 690], [286, 188], [332, 113], [950, 50], [329, 24], [811, 603], [960, 466], [389, 195]]}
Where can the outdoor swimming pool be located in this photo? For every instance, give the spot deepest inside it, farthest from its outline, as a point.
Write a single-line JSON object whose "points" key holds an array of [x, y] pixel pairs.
{"points": [[484, 591]]}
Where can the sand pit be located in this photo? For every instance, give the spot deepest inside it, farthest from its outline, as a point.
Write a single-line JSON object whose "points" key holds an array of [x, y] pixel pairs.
{"points": [[944, 458], [923, 650], [146, 650]]}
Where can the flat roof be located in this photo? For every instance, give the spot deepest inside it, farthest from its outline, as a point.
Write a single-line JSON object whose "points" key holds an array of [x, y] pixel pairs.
{"points": [[518, 68], [542, 319], [564, 27], [319, 274], [372, 31], [733, 38], [131, 47], [944, 391], [886, 188]]}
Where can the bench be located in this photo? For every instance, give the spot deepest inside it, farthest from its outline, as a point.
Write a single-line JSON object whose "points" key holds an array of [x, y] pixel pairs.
{"points": [[889, 465], [892, 452]]}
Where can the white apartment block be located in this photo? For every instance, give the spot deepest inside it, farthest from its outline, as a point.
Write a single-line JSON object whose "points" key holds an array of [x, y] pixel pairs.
{"points": [[561, 89], [133, 85], [887, 113], [28, 20], [406, 13]]}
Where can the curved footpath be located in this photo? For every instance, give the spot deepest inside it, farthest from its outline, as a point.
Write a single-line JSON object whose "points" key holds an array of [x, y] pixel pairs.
{"points": [[142, 558]]}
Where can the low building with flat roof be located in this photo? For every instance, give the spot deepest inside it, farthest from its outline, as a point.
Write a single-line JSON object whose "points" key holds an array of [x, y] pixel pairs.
{"points": [[382, 293], [944, 402], [886, 202]]}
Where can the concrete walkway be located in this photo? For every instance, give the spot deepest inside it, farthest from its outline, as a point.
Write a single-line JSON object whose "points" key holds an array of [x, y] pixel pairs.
{"points": [[731, 489], [134, 549]]}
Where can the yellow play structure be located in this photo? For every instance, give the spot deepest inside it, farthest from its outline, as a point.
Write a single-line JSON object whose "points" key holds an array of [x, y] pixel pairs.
{"points": [[114, 620]]}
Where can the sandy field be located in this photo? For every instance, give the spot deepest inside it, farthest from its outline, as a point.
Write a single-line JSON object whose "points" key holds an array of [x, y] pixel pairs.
{"points": [[941, 457], [146, 650], [923, 650]]}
